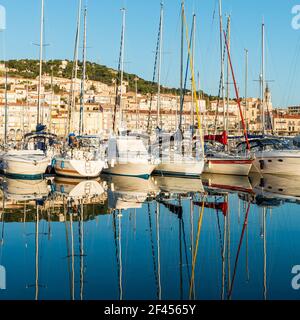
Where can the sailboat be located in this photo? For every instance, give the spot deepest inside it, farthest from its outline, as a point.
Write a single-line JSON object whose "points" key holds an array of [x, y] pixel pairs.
{"points": [[175, 151], [127, 154], [272, 154], [26, 164], [224, 162], [83, 157]]}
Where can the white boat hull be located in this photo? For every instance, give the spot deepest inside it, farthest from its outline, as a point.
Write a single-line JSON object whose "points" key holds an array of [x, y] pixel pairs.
{"points": [[228, 166], [23, 165], [130, 169], [188, 169], [277, 162], [78, 168]]}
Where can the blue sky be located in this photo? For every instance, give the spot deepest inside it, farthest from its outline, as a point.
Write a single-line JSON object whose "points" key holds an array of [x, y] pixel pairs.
{"points": [[104, 27]]}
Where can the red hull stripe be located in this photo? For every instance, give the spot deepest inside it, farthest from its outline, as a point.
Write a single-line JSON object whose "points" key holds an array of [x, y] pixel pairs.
{"points": [[231, 161], [227, 187]]}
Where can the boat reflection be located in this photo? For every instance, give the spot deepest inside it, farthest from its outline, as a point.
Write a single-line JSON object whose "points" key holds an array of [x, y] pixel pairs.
{"points": [[274, 190], [77, 189], [178, 185], [25, 190], [226, 183], [129, 192]]}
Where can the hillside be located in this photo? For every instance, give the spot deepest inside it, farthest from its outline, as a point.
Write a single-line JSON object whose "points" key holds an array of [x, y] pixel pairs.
{"points": [[26, 68]]}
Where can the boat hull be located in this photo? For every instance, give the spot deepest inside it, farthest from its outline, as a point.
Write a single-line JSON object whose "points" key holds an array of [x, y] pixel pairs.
{"points": [[78, 168], [140, 170], [22, 168], [285, 163], [228, 166], [180, 169]]}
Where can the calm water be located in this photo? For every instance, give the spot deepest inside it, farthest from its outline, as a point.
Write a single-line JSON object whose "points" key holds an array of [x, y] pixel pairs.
{"points": [[166, 238]]}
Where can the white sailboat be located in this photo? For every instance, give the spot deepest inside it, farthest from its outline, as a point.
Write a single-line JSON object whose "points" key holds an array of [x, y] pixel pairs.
{"points": [[26, 164], [223, 162], [174, 158], [83, 158], [272, 155], [127, 155]]}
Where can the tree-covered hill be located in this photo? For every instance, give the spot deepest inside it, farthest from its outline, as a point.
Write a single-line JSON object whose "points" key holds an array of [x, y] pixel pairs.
{"points": [[30, 69]]}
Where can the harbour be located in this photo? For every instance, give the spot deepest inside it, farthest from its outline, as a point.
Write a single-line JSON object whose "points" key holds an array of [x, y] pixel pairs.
{"points": [[132, 239], [115, 187]]}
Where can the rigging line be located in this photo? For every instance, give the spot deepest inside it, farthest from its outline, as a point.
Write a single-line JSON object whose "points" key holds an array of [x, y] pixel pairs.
{"points": [[166, 77], [238, 251], [194, 84], [220, 87], [180, 260], [116, 242], [68, 252], [152, 250], [185, 249], [156, 57], [117, 96], [237, 92], [196, 249], [120, 255], [186, 71], [72, 101]]}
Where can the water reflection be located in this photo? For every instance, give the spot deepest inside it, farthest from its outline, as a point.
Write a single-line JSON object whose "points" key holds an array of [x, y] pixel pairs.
{"points": [[220, 237]]}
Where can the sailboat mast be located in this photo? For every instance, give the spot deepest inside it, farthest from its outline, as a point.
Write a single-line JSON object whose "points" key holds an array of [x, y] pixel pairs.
{"points": [[159, 120], [222, 60], [263, 80], [41, 64], [228, 73], [75, 69], [181, 65], [5, 110], [122, 65], [82, 94], [193, 58], [246, 84]]}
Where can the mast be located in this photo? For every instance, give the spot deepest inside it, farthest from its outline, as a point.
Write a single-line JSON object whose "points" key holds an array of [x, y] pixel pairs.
{"points": [[263, 80], [159, 120], [136, 104], [39, 115], [193, 58], [75, 68], [246, 84], [122, 65], [5, 111], [222, 60], [181, 65], [228, 73], [82, 93]]}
